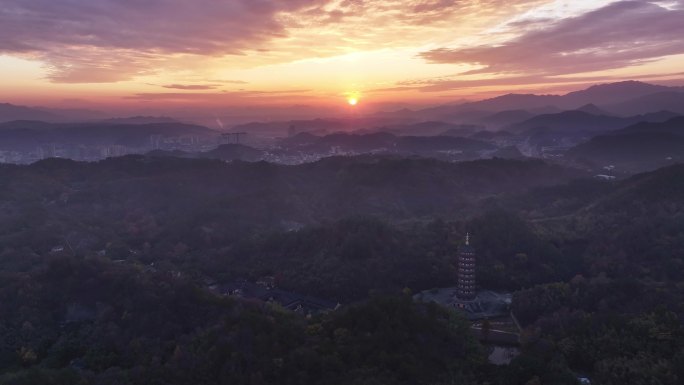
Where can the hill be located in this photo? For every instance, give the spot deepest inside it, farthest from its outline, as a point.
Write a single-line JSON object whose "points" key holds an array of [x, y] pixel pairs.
{"points": [[141, 120], [432, 128], [510, 152], [229, 199], [637, 151], [592, 109], [314, 126], [23, 135], [230, 152], [621, 98], [612, 93], [94, 321], [577, 121], [505, 118], [10, 112], [387, 143], [225, 152], [674, 125], [669, 100], [431, 144], [570, 121]]}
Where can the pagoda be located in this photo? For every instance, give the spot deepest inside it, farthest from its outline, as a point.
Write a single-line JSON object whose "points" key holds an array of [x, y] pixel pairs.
{"points": [[465, 284]]}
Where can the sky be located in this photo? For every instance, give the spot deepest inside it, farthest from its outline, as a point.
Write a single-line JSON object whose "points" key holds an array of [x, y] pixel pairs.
{"points": [[281, 53]]}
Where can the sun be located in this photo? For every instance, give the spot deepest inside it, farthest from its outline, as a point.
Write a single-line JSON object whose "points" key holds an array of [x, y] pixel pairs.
{"points": [[353, 100]]}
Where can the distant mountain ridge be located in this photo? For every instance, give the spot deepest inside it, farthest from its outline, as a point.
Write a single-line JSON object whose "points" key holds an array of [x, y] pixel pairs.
{"points": [[621, 98], [226, 152], [10, 112], [384, 142], [505, 118], [670, 100], [29, 134], [140, 120], [262, 193], [674, 125], [613, 93], [641, 147], [576, 121], [593, 109]]}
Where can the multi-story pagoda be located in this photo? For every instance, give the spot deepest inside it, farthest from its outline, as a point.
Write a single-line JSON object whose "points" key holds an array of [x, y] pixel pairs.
{"points": [[465, 287]]}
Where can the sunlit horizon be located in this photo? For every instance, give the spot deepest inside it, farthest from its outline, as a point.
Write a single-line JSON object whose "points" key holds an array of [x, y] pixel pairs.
{"points": [[310, 53]]}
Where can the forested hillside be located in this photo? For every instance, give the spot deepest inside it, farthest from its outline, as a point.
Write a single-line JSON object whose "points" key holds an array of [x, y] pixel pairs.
{"points": [[120, 253]]}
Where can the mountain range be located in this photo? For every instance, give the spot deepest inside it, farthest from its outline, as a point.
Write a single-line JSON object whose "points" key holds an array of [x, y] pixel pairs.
{"points": [[225, 152], [622, 99], [11, 112], [385, 143], [24, 134], [640, 147], [579, 121]]}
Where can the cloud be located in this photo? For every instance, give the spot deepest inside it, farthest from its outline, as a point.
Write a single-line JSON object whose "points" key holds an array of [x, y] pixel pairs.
{"points": [[446, 84], [621, 34], [109, 40], [220, 98], [229, 81], [215, 95], [112, 40], [191, 87]]}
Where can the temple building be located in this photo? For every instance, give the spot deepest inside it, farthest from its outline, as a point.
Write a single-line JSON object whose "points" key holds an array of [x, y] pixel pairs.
{"points": [[466, 289]]}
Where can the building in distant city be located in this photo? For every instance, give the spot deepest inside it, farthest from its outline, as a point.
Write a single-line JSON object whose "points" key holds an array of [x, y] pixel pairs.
{"points": [[465, 282]]}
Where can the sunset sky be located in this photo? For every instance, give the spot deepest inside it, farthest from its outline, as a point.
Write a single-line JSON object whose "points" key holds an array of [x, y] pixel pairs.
{"points": [[70, 53]]}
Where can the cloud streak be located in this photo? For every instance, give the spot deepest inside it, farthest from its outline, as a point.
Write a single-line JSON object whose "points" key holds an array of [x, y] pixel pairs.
{"points": [[191, 87], [621, 34]]}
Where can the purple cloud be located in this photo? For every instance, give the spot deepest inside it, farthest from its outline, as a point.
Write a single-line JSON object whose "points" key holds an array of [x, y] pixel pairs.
{"points": [[109, 40], [621, 34]]}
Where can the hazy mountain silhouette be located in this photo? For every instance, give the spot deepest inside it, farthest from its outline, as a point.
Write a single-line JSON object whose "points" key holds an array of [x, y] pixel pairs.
{"points": [[301, 139], [141, 120], [314, 126], [612, 93], [674, 126], [432, 128], [645, 146], [509, 152], [10, 112], [579, 121], [620, 98], [670, 100], [505, 118], [426, 144], [490, 135], [593, 109], [463, 130], [227, 152], [383, 142], [28, 134]]}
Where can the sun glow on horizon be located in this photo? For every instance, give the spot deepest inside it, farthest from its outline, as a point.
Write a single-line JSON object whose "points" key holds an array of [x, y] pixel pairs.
{"points": [[353, 98]]}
